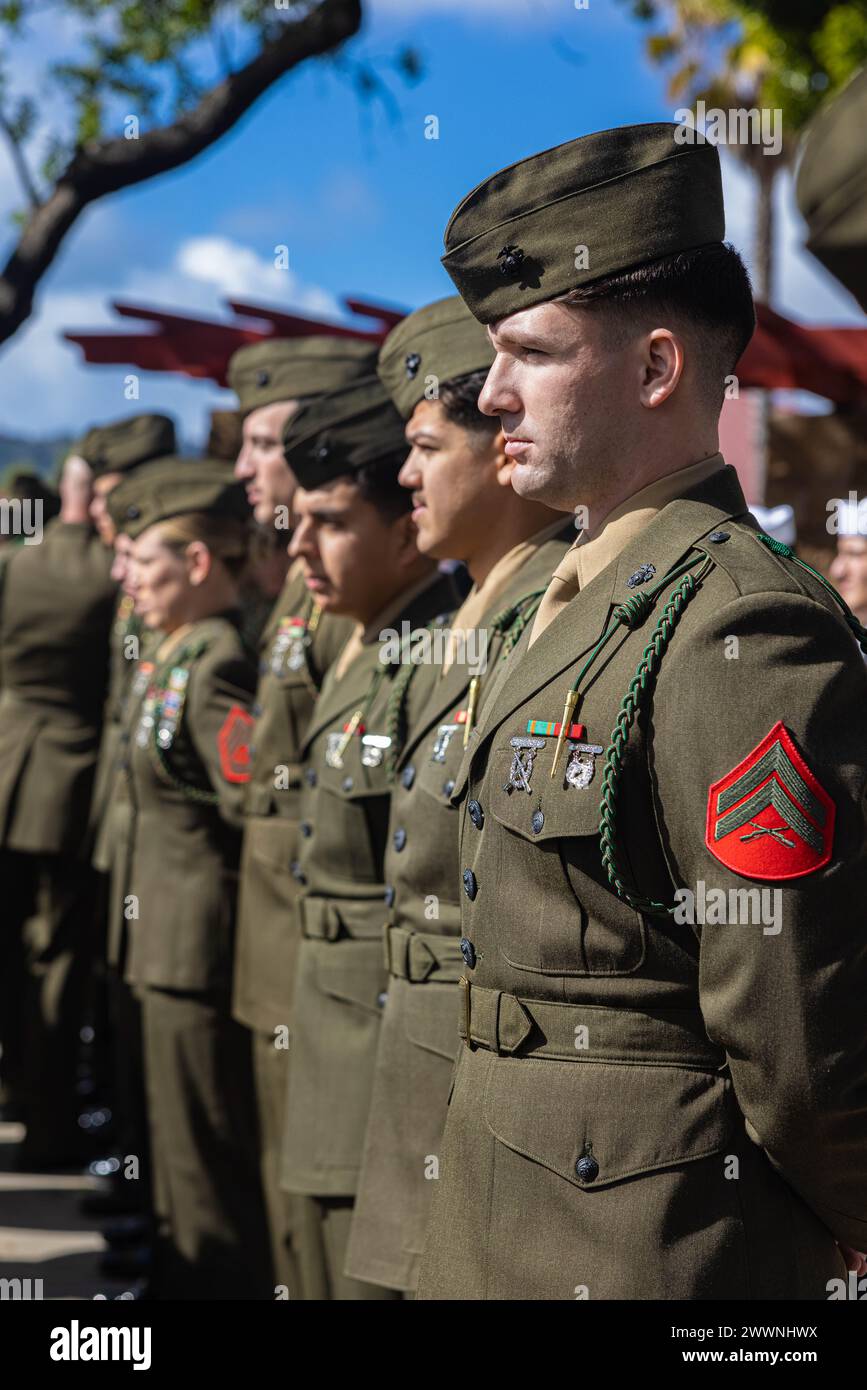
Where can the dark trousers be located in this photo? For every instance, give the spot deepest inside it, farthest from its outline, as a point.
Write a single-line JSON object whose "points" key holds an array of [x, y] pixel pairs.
{"points": [[131, 1133], [56, 908], [212, 1233]]}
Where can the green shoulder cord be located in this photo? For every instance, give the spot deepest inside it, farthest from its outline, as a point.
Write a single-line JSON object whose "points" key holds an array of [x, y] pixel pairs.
{"points": [[509, 624], [158, 755], [631, 614], [395, 709], [780, 548]]}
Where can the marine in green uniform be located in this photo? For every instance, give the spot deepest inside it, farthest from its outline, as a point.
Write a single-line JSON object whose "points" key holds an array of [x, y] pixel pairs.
{"points": [[116, 451], [55, 618], [358, 543], [434, 365], [297, 646], [113, 451], [27, 503], [187, 772], [660, 1089]]}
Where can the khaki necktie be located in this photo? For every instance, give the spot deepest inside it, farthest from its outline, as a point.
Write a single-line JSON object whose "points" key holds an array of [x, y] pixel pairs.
{"points": [[563, 587]]}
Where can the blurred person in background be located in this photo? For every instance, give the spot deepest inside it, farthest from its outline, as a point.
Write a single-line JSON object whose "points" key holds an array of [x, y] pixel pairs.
{"points": [[849, 566], [186, 773], [56, 612]]}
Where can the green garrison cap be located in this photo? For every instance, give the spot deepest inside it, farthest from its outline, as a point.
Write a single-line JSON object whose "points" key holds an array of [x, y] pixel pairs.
{"points": [[125, 444], [596, 206], [342, 431], [287, 369], [832, 187], [441, 341], [173, 486]]}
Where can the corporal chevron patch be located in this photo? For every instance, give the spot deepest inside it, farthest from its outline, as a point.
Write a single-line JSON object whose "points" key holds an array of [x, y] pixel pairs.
{"points": [[770, 817], [233, 744]]}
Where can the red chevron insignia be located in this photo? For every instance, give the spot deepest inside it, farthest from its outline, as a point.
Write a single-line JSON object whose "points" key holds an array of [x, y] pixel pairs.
{"points": [[770, 817], [233, 742]]}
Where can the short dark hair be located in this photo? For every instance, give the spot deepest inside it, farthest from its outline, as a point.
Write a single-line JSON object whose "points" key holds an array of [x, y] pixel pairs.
{"points": [[459, 399], [377, 483], [707, 288]]}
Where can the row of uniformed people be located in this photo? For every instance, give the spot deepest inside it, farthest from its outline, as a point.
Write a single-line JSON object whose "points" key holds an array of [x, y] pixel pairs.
{"points": [[415, 868], [319, 850], [564, 1163]]}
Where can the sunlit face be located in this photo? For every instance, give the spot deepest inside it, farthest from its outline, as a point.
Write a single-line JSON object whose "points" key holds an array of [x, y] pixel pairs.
{"points": [[451, 473], [849, 573], [120, 565], [270, 481], [102, 486], [353, 557], [158, 578], [567, 400]]}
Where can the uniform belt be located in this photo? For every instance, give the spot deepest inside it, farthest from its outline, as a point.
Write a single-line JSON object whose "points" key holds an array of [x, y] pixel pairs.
{"points": [[510, 1026], [328, 919], [418, 956]]}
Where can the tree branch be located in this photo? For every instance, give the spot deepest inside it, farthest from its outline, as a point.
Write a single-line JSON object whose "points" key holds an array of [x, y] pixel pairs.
{"points": [[109, 165], [20, 163]]}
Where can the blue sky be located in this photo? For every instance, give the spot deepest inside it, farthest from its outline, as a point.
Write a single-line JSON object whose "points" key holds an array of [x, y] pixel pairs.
{"points": [[360, 200]]}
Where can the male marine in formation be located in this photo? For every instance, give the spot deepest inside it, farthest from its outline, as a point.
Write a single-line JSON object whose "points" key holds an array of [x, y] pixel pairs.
{"points": [[499, 1045]]}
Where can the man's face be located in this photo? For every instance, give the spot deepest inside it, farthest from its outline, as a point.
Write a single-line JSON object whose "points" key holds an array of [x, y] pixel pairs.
{"points": [[158, 579], [566, 400], [849, 573], [451, 473], [102, 486], [270, 481], [354, 559]]}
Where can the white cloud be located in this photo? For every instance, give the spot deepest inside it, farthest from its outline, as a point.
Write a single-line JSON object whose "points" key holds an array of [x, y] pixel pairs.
{"points": [[236, 271], [47, 388]]}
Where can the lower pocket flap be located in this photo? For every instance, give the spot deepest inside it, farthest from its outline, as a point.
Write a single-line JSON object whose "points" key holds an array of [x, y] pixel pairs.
{"points": [[626, 1119], [432, 1018], [353, 971]]}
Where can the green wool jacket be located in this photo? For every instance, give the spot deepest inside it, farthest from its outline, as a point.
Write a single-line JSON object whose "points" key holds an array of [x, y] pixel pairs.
{"points": [[418, 1036], [657, 1104], [297, 648], [55, 618], [187, 774], [128, 647], [341, 977]]}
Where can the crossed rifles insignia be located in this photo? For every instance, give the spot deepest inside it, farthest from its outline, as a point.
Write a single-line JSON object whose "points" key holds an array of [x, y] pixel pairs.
{"points": [[770, 817]]}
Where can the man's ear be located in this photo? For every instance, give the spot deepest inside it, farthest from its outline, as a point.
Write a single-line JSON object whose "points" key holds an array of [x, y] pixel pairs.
{"points": [[404, 533], [199, 562], [662, 367]]}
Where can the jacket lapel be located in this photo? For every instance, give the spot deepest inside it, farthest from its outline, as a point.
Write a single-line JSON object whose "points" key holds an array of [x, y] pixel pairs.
{"points": [[344, 696]]}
